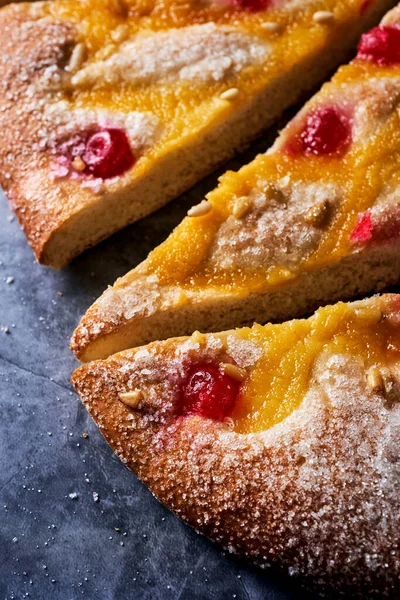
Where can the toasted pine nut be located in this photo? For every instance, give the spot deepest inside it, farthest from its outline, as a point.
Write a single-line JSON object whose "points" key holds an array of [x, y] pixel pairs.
{"points": [[120, 33], [197, 337], [77, 59], [79, 164], [230, 94], [369, 315], [200, 209], [323, 17], [233, 371], [132, 398], [241, 207], [317, 213], [375, 379], [271, 27]]}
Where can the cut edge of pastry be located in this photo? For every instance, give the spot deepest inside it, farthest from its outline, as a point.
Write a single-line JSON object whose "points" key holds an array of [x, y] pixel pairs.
{"points": [[101, 333]]}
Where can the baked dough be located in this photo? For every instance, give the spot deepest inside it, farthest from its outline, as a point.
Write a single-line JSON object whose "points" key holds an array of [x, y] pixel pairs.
{"points": [[110, 108], [302, 473], [314, 220]]}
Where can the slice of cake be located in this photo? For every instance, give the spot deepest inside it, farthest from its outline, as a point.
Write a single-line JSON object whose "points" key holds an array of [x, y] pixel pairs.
{"points": [[279, 442], [315, 220], [110, 108]]}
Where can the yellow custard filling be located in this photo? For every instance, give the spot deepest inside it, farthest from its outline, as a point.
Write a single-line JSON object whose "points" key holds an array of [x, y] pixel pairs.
{"points": [[279, 381], [360, 174], [185, 108]]}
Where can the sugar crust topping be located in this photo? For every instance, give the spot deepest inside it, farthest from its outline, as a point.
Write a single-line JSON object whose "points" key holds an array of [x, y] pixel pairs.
{"points": [[61, 122], [277, 230], [66, 48], [200, 53], [305, 494]]}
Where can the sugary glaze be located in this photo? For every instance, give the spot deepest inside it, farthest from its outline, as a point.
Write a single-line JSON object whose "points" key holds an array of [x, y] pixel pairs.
{"points": [[173, 59], [327, 191], [281, 378], [301, 208], [276, 375], [165, 74], [303, 473]]}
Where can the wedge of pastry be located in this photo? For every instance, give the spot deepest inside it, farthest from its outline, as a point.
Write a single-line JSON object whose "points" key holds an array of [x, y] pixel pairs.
{"points": [[110, 108], [279, 442], [315, 220]]}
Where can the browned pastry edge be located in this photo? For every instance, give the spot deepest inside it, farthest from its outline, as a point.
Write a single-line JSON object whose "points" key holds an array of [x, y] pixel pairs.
{"points": [[315, 495], [31, 47], [100, 334], [4, 2]]}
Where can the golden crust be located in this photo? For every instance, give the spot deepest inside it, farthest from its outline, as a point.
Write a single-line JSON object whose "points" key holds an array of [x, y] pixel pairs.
{"points": [[33, 56], [136, 310], [60, 216], [285, 225], [316, 495], [4, 2]]}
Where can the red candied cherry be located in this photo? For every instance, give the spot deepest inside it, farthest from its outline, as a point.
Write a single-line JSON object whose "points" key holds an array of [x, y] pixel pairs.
{"points": [[208, 392], [362, 232], [326, 131], [365, 6], [389, 228], [251, 5], [381, 45], [395, 306], [107, 153]]}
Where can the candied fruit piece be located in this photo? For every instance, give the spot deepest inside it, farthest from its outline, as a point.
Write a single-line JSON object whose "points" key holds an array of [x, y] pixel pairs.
{"points": [[381, 45], [394, 309], [389, 229], [101, 153], [252, 5], [108, 153], [362, 232], [384, 228], [208, 392], [365, 6], [326, 131]]}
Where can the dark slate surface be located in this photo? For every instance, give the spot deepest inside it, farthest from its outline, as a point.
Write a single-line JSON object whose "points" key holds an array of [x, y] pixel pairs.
{"points": [[53, 546]]}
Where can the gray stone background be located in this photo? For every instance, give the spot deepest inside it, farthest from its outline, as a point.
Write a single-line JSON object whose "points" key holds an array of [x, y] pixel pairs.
{"points": [[126, 545]]}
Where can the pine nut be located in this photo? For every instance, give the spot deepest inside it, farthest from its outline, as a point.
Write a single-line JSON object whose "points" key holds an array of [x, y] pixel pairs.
{"points": [[323, 17], [230, 94], [200, 209], [234, 371], [131, 399]]}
